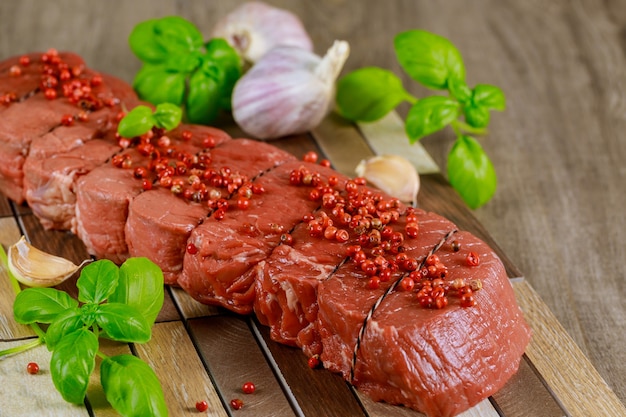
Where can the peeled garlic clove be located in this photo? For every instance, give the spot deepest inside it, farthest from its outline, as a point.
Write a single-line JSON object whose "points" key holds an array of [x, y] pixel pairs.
{"points": [[36, 268], [255, 27], [392, 174], [288, 91]]}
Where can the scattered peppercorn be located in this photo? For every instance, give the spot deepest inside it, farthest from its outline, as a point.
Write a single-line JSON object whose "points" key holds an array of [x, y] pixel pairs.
{"points": [[236, 404], [202, 406], [248, 388], [32, 368]]}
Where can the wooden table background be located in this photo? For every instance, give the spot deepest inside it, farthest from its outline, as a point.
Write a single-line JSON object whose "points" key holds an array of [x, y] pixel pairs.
{"points": [[559, 149]]}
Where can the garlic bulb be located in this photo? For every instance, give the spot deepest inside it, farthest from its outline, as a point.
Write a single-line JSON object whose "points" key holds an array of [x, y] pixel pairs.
{"points": [[36, 268], [255, 27], [392, 174], [288, 91]]}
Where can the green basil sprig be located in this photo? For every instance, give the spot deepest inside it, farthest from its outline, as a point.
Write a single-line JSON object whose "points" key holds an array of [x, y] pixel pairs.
{"points": [[142, 119], [180, 68], [116, 303], [369, 93]]}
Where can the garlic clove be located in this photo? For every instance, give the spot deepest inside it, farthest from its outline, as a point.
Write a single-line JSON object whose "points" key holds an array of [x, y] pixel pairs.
{"points": [[392, 174], [256, 27], [288, 91], [36, 268]]}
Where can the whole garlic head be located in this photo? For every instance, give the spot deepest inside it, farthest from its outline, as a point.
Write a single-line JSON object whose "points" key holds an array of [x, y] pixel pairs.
{"points": [[289, 90], [392, 174], [255, 27]]}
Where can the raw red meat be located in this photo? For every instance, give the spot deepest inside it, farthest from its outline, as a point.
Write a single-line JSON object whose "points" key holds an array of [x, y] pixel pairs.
{"points": [[159, 222], [438, 361], [111, 189], [227, 250], [56, 159], [288, 280]]}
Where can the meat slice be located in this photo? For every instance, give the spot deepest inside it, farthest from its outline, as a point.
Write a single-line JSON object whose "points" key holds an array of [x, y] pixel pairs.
{"points": [[438, 361], [110, 189], [26, 120], [29, 78], [288, 280], [160, 222], [59, 157], [220, 269]]}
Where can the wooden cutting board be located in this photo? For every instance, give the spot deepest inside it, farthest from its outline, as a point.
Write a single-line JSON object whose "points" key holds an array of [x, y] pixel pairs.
{"points": [[206, 353]]}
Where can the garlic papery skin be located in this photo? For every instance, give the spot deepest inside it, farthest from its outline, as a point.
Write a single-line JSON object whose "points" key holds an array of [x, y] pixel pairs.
{"points": [[288, 91], [255, 27], [392, 174], [36, 268]]}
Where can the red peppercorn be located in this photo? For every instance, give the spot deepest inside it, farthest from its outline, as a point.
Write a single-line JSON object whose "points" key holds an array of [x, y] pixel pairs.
{"points": [[24, 60], [310, 157], [374, 283], [342, 235], [325, 163], [248, 388], [146, 184], [192, 249], [219, 214], [32, 368], [67, 120], [286, 239], [236, 404], [407, 284], [15, 71], [243, 203], [467, 300], [208, 142], [369, 267], [456, 246], [96, 80], [202, 406], [314, 362], [472, 259], [187, 135], [411, 229]]}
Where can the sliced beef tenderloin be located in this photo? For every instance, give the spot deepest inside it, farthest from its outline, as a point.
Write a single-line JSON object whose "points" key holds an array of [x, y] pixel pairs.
{"points": [[26, 120], [19, 81], [438, 361], [110, 189], [219, 271], [58, 158], [160, 222], [288, 281]]}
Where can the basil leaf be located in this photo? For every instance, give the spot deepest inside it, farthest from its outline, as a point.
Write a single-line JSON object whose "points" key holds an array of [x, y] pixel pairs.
{"points": [[176, 35], [67, 322], [132, 387], [182, 63], [471, 172], [97, 281], [489, 96], [368, 94], [167, 116], [204, 96], [477, 116], [140, 286], [220, 53], [137, 122], [41, 305], [428, 58], [155, 84], [429, 115], [72, 363], [144, 44], [459, 90], [123, 323]]}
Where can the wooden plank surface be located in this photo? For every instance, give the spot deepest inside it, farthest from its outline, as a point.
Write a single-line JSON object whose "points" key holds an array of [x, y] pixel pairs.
{"points": [[558, 211]]}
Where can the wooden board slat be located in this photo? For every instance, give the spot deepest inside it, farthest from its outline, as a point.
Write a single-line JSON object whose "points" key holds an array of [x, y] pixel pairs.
{"points": [[566, 370], [183, 377], [233, 357]]}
